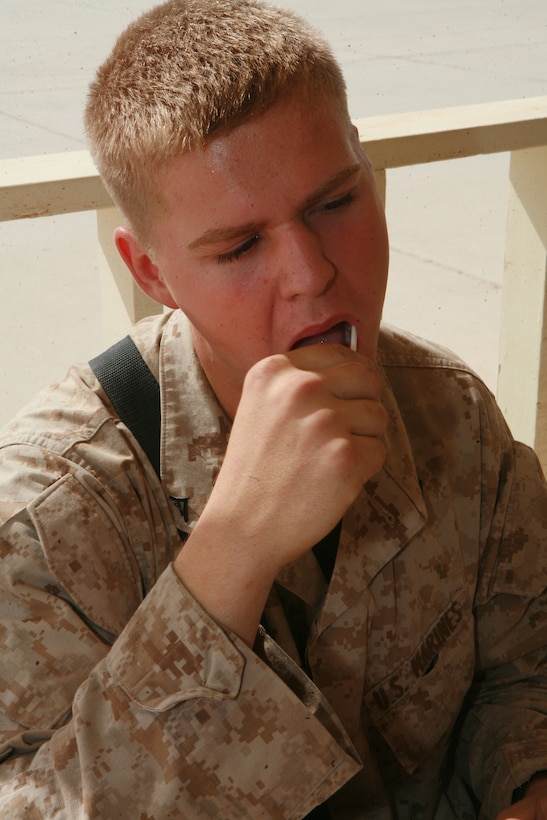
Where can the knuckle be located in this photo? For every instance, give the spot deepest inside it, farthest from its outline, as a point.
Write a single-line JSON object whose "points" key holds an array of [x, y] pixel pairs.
{"points": [[267, 368]]}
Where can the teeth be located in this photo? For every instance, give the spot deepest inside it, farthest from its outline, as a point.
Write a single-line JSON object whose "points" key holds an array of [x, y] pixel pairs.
{"points": [[343, 333]]}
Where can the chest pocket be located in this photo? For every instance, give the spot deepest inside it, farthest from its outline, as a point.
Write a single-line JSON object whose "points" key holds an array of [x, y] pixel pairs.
{"points": [[416, 706]]}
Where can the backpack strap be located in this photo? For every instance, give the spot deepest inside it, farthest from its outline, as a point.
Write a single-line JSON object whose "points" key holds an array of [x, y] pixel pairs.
{"points": [[134, 393]]}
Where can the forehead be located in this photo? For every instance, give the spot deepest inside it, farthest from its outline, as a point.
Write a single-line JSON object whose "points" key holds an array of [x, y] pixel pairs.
{"points": [[293, 141]]}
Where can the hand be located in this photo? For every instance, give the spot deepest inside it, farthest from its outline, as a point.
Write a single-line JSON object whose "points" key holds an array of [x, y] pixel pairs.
{"points": [[305, 438], [533, 805]]}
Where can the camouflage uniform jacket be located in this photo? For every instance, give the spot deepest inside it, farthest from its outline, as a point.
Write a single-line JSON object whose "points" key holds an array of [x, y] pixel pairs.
{"points": [[121, 698]]}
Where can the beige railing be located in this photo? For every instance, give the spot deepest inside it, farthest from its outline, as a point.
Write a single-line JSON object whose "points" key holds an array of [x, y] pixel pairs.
{"points": [[66, 183]]}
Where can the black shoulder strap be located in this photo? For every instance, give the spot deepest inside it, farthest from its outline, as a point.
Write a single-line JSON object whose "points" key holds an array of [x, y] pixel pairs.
{"points": [[134, 393]]}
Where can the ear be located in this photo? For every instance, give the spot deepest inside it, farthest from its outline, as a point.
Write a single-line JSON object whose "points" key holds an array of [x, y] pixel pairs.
{"points": [[145, 273]]}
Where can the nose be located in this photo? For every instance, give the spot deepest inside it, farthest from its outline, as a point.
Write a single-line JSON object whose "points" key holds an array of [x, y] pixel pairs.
{"points": [[304, 267]]}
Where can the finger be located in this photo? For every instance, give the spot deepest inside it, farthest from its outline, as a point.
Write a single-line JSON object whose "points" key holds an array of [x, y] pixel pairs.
{"points": [[350, 374], [319, 356], [366, 418], [359, 417], [372, 455], [354, 380]]}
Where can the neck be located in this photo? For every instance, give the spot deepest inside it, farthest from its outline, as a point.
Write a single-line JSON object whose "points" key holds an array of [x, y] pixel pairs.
{"points": [[226, 390]]}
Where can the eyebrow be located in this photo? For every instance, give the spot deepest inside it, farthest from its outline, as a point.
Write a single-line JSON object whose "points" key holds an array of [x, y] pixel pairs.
{"points": [[217, 236], [332, 184]]}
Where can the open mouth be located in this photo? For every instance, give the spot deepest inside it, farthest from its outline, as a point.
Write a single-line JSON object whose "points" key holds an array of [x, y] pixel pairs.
{"points": [[341, 334]]}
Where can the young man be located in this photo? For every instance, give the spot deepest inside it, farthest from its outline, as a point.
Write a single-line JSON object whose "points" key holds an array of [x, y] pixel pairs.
{"points": [[367, 505]]}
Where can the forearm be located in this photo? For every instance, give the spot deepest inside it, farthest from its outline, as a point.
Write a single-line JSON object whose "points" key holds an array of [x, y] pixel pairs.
{"points": [[225, 576]]}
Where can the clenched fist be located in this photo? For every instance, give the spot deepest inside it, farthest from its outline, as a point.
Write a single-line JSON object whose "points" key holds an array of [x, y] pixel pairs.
{"points": [[305, 438]]}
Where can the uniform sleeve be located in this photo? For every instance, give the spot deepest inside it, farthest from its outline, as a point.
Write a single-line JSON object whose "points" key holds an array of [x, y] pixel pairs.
{"points": [[116, 704], [504, 736]]}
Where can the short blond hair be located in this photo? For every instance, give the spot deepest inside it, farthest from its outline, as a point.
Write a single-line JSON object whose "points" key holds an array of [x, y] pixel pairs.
{"points": [[188, 71]]}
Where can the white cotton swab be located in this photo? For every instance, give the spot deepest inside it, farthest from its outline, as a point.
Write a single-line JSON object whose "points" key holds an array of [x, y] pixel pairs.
{"points": [[351, 337]]}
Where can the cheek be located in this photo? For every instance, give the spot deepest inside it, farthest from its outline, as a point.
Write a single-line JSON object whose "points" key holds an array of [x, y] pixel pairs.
{"points": [[364, 250], [375, 248], [232, 313]]}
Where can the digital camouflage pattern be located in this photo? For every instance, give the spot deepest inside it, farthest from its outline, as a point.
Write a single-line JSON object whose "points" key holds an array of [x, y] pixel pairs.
{"points": [[121, 698]]}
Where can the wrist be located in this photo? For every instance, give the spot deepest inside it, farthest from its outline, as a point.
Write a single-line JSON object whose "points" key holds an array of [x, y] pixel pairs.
{"points": [[226, 577]]}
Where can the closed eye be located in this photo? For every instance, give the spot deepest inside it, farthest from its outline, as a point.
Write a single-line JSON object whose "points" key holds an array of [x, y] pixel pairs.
{"points": [[338, 203], [239, 251]]}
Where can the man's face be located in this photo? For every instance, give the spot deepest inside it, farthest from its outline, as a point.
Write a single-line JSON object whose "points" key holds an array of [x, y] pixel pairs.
{"points": [[272, 234]]}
